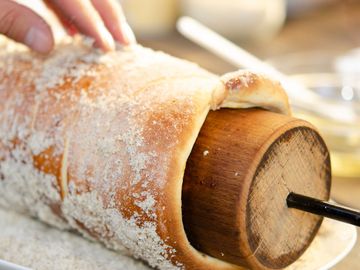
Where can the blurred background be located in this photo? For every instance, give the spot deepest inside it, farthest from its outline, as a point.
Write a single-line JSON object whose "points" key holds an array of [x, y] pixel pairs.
{"points": [[316, 42]]}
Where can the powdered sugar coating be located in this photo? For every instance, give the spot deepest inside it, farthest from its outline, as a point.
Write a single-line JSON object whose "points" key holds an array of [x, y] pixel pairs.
{"points": [[85, 143], [68, 251]]}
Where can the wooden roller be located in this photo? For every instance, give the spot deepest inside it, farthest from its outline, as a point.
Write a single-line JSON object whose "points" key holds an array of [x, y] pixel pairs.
{"points": [[237, 179]]}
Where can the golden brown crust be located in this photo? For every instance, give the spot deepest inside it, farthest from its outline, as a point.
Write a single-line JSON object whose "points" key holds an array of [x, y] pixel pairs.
{"points": [[247, 89], [99, 142]]}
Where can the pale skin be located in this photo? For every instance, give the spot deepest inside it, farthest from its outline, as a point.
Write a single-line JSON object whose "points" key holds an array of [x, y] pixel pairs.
{"points": [[103, 20]]}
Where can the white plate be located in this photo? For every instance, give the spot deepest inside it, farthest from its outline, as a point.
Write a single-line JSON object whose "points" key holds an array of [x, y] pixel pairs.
{"points": [[19, 235], [4, 265], [333, 242]]}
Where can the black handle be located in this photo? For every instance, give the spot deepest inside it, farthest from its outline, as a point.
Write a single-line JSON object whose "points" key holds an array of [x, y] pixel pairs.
{"points": [[322, 208]]}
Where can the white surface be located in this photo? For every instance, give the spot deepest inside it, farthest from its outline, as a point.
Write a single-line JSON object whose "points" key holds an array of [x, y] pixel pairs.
{"points": [[26, 241]]}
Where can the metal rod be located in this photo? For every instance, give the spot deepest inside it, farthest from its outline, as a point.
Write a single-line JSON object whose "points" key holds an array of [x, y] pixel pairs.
{"points": [[322, 208]]}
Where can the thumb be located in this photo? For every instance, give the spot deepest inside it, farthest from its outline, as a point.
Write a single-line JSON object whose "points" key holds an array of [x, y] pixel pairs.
{"points": [[24, 25]]}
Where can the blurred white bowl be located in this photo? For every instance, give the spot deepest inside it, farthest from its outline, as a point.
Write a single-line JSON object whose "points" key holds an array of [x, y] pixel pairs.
{"points": [[239, 19]]}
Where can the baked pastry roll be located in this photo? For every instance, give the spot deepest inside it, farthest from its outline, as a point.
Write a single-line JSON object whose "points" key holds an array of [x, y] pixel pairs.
{"points": [[98, 143]]}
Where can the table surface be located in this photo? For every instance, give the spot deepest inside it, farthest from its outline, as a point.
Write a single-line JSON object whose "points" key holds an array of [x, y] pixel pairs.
{"points": [[336, 27]]}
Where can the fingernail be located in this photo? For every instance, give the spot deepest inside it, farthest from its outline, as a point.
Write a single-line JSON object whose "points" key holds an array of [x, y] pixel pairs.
{"points": [[107, 39], [38, 40], [128, 34]]}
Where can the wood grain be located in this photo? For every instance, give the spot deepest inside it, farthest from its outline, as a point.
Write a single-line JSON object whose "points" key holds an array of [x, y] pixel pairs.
{"points": [[242, 167]]}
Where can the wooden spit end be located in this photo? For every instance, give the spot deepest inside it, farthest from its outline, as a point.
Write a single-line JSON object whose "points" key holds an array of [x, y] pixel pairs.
{"points": [[240, 171]]}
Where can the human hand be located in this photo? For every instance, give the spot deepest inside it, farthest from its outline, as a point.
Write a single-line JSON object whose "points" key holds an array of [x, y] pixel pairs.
{"points": [[102, 20]]}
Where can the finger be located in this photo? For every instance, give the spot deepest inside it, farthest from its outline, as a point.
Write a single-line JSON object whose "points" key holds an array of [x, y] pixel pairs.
{"points": [[87, 20], [64, 20], [114, 19], [23, 25]]}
